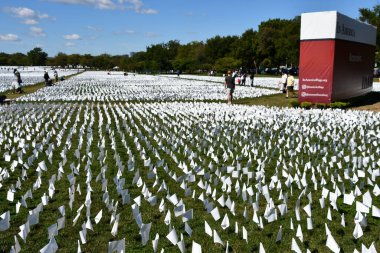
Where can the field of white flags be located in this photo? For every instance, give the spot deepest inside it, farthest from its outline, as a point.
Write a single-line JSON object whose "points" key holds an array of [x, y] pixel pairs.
{"points": [[99, 86], [185, 176], [265, 82], [29, 75]]}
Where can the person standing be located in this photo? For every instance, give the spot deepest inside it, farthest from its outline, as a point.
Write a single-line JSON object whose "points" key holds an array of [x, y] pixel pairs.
{"points": [[56, 75], [252, 77], [244, 79], [229, 84], [47, 79], [18, 80], [284, 79], [290, 85]]}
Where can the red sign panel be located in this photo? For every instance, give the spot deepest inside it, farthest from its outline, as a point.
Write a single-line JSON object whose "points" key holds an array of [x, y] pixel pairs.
{"points": [[316, 71]]}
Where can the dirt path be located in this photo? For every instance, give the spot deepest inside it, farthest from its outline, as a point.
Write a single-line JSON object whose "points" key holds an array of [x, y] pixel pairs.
{"points": [[374, 107]]}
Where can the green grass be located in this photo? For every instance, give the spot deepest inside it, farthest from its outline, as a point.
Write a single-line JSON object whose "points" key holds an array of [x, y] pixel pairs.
{"points": [[279, 100], [271, 100]]}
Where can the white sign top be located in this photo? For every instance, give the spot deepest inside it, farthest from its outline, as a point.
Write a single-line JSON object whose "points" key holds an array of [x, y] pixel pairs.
{"points": [[333, 25]]}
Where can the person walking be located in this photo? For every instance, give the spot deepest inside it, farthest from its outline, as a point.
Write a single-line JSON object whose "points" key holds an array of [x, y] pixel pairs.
{"points": [[290, 85], [229, 84]]}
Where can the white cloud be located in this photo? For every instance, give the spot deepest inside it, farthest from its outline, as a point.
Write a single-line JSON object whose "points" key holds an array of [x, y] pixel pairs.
{"points": [[151, 34], [9, 37], [22, 12], [136, 5], [73, 36], [100, 4], [147, 11], [29, 16], [70, 44], [30, 21], [43, 16], [123, 32], [36, 31], [93, 28]]}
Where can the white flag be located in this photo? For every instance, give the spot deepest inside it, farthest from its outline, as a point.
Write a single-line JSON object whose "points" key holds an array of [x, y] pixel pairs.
{"points": [[118, 246], [196, 248], [332, 245], [172, 237], [295, 246], [217, 238], [98, 217], [208, 229]]}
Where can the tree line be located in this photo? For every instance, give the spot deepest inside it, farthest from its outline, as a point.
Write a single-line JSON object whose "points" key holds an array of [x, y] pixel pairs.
{"points": [[275, 43]]}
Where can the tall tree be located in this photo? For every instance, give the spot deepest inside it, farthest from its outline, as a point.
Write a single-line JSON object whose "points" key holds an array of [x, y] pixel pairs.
{"points": [[219, 47], [37, 57], [372, 17], [61, 60], [191, 57], [18, 59], [4, 59], [244, 49], [278, 42]]}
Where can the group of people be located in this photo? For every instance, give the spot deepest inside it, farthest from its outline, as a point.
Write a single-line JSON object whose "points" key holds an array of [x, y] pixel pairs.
{"points": [[232, 78], [48, 81], [287, 83], [17, 85], [240, 77]]}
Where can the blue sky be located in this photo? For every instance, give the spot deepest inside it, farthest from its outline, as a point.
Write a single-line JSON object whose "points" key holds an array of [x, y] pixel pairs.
{"points": [[124, 26]]}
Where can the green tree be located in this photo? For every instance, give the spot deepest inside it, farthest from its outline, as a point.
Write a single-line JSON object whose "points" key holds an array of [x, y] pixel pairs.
{"points": [[18, 59], [191, 57], [86, 60], [372, 17], [219, 47], [278, 41], [37, 57], [103, 61], [222, 65], [4, 59], [61, 59], [160, 56], [73, 59], [244, 49]]}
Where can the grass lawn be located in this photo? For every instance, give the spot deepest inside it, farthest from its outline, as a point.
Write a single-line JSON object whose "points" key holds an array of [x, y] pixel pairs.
{"points": [[271, 100], [370, 101]]}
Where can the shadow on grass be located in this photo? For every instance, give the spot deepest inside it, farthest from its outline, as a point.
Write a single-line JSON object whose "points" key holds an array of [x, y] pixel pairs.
{"points": [[365, 100]]}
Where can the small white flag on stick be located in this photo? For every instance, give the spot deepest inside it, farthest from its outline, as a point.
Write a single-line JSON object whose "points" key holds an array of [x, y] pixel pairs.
{"points": [[196, 248]]}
